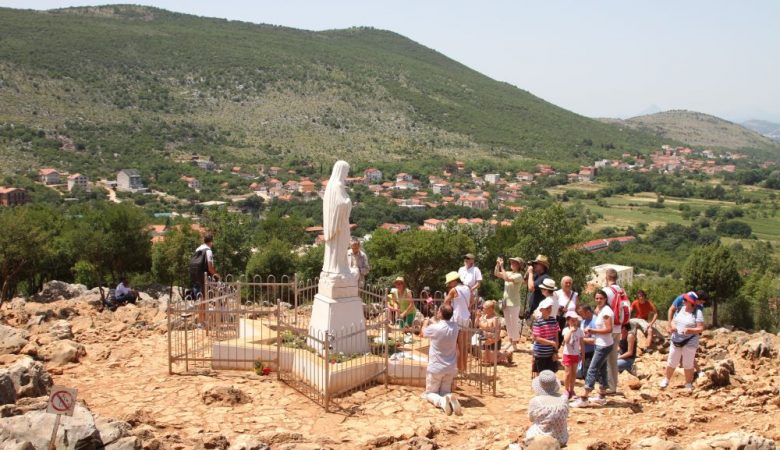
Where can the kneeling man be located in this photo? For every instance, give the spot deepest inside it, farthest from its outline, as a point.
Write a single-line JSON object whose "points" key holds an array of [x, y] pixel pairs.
{"points": [[442, 356]]}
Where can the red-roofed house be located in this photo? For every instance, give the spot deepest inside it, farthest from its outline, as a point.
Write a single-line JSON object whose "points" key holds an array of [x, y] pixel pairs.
{"points": [[306, 187], [395, 227], [432, 224], [373, 175], [10, 196], [49, 176]]}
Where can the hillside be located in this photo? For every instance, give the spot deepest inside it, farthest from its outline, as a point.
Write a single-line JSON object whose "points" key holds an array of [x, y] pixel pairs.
{"points": [[99, 88], [766, 128], [703, 130]]}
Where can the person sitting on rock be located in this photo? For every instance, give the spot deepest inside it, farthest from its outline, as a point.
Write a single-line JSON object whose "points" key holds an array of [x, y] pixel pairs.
{"points": [[442, 360], [123, 294], [643, 308], [627, 347], [548, 410]]}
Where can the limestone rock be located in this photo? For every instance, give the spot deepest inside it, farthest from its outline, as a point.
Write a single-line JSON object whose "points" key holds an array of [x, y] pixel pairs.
{"points": [[629, 381], [35, 427], [7, 390], [63, 352], [126, 443], [56, 290], [128, 313], [246, 442], [734, 441], [720, 375], [279, 437], [12, 340], [29, 377], [655, 443], [415, 443], [758, 347], [111, 431], [224, 396], [212, 442], [542, 442], [61, 330]]}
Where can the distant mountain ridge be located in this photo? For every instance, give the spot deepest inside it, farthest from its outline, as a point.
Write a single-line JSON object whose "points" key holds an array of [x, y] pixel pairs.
{"points": [[97, 76], [704, 130], [766, 128]]}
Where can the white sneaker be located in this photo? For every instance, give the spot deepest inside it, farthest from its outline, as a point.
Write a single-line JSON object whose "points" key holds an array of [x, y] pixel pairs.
{"points": [[598, 400], [579, 403], [454, 404], [664, 383], [446, 405], [689, 387]]}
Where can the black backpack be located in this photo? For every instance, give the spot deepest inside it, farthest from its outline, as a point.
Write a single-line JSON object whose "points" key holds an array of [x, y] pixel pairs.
{"points": [[198, 266]]}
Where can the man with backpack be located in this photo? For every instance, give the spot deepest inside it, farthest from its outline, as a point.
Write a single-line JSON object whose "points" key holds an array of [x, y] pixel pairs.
{"points": [[202, 265], [618, 301]]}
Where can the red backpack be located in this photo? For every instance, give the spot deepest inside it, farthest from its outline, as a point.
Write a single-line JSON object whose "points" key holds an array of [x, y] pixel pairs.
{"points": [[621, 306]]}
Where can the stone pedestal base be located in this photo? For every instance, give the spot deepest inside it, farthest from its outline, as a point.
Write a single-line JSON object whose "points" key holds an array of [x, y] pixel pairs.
{"points": [[341, 318]]}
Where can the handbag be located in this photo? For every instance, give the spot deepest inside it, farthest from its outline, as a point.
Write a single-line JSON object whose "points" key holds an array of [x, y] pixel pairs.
{"points": [[680, 341]]}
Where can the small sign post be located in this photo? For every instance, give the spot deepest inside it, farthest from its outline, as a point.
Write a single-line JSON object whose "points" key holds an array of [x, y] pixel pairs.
{"points": [[61, 401]]}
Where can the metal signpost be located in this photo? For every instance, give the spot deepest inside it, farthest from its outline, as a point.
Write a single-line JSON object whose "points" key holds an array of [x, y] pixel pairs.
{"points": [[61, 401]]}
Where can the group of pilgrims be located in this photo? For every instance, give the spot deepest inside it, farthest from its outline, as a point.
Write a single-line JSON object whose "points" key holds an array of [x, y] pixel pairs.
{"points": [[590, 342]]}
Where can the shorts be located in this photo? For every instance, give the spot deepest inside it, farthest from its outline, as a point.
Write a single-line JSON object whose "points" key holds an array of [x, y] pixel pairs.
{"points": [[544, 363], [686, 355], [571, 360]]}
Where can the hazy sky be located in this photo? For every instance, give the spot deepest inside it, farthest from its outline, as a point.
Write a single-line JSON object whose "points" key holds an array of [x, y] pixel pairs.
{"points": [[597, 58]]}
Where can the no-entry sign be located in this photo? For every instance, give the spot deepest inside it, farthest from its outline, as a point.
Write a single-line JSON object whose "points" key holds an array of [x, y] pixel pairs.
{"points": [[62, 400]]}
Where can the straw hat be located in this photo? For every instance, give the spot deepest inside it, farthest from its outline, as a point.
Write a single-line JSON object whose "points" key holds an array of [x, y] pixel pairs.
{"points": [[548, 284], [546, 384], [517, 260], [543, 260], [399, 280], [469, 256], [452, 276]]}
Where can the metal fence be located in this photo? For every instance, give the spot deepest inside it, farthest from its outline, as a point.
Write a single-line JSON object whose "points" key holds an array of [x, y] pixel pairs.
{"points": [[256, 324]]}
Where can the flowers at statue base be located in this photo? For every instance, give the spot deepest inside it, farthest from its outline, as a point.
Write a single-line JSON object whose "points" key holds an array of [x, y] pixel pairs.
{"points": [[262, 368]]}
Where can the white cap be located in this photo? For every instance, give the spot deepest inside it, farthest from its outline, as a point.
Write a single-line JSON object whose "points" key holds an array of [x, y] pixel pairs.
{"points": [[573, 315], [546, 303]]}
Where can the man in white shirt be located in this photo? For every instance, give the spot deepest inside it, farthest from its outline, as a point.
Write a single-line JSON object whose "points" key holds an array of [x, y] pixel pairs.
{"points": [[610, 289], [123, 293], [470, 275], [442, 357]]}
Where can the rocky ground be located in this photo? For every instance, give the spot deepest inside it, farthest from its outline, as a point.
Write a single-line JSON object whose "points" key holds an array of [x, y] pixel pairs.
{"points": [[127, 399]]}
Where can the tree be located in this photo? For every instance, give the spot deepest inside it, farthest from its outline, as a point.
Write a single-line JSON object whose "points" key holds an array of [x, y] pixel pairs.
{"points": [[734, 228], [713, 269], [422, 257], [171, 257], [113, 238], [232, 234], [22, 241], [310, 263], [275, 258], [549, 232]]}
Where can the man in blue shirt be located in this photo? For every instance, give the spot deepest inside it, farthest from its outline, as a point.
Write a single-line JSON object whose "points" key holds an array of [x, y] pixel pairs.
{"points": [[700, 297]]}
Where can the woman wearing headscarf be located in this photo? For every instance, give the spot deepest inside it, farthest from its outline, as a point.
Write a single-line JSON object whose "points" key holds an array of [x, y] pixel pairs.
{"points": [[548, 410]]}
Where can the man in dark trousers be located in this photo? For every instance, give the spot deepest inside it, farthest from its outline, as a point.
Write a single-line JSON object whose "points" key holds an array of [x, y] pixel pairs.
{"points": [[537, 273]]}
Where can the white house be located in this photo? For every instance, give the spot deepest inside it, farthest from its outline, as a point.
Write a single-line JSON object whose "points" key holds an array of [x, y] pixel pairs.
{"points": [[129, 180], [492, 178], [77, 180], [49, 176], [625, 274], [373, 175]]}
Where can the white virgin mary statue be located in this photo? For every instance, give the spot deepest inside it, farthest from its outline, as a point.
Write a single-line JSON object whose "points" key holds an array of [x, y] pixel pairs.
{"points": [[336, 207]]}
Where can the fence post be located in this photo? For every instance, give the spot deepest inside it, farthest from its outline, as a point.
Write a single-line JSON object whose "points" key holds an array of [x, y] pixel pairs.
{"points": [[278, 341], [387, 338], [295, 298], [326, 346], [170, 349]]}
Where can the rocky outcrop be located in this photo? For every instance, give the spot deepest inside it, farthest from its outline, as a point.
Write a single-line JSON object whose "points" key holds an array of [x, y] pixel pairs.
{"points": [[63, 352], [34, 427], [224, 396], [61, 329], [58, 290], [12, 340], [29, 378], [733, 441]]}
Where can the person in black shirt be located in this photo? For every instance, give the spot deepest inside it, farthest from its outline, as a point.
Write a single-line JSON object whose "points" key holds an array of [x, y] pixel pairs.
{"points": [[537, 273]]}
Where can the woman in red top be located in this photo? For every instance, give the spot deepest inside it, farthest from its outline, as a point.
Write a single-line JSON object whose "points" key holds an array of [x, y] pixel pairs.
{"points": [[642, 308]]}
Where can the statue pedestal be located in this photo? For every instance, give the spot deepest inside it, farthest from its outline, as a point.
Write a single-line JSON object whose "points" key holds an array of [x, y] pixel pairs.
{"points": [[338, 312]]}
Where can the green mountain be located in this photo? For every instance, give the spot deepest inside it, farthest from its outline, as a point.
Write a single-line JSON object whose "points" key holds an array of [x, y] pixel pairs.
{"points": [[702, 130], [101, 88]]}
